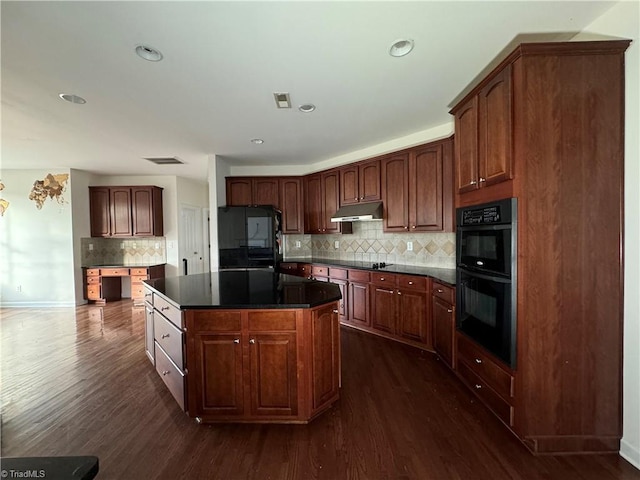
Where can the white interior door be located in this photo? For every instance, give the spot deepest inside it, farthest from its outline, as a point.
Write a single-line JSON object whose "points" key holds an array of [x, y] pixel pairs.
{"points": [[191, 240]]}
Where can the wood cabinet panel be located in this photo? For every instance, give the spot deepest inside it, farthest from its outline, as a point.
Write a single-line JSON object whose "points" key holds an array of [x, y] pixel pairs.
{"points": [[274, 386], [172, 377], [266, 191], [466, 151], [239, 191], [313, 215], [359, 303], [349, 185], [395, 191], [383, 309], [120, 198], [360, 182], [100, 211], [146, 211], [444, 326], [126, 211], [426, 181], [331, 201], [291, 198], [325, 341], [413, 316], [216, 387]]}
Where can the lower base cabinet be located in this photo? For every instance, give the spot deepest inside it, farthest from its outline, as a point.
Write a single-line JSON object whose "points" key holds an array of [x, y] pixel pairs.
{"points": [[262, 365], [444, 322]]}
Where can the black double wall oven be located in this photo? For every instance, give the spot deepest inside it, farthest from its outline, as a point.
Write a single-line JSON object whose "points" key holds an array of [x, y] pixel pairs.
{"points": [[486, 268]]}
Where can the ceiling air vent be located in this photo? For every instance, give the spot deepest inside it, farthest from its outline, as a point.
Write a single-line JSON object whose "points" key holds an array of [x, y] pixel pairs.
{"points": [[165, 160], [282, 100]]}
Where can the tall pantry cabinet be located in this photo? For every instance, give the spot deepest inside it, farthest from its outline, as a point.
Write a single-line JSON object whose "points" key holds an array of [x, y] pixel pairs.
{"points": [[546, 126]]}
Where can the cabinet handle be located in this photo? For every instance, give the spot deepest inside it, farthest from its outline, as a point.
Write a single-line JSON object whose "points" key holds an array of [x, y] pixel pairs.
{"points": [[478, 387], [362, 198], [165, 335], [162, 309], [236, 340], [406, 228], [472, 182], [165, 372], [449, 310], [252, 341], [382, 279], [335, 310], [356, 198], [478, 361], [440, 290], [399, 292], [410, 283], [413, 226], [482, 180]]}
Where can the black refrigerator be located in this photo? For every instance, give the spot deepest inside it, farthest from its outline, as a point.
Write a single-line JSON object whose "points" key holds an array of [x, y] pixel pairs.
{"points": [[249, 237]]}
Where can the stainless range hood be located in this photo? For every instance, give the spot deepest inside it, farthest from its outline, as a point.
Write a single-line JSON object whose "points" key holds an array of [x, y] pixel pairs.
{"points": [[358, 212]]}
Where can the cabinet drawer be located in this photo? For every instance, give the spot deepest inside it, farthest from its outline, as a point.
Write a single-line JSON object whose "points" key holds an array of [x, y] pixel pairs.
{"points": [[171, 312], [172, 377], [384, 279], [93, 272], [93, 292], [319, 271], [359, 276], [444, 292], [139, 272], [289, 268], [138, 279], [338, 273], [304, 269], [93, 280], [169, 338], [484, 367], [276, 320], [408, 282], [114, 272], [495, 403], [137, 291]]}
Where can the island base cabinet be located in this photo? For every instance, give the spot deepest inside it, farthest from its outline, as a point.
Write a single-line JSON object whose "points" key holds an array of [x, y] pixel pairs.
{"points": [[262, 366]]}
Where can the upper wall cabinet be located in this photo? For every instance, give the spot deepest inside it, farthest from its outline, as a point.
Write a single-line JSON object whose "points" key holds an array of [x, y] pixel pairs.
{"points": [[126, 211], [291, 204], [417, 188], [484, 130], [322, 194], [360, 182], [243, 191]]}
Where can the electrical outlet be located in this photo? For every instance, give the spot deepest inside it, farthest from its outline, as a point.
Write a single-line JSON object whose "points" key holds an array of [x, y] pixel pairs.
{"points": [[19, 288], [90, 246], [157, 245], [133, 245], [336, 244], [298, 244], [409, 246], [122, 246]]}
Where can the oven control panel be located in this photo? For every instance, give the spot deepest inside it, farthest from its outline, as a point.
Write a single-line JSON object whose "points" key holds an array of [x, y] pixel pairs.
{"points": [[481, 216]]}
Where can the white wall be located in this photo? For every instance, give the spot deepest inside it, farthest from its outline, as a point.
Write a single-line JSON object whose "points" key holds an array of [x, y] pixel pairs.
{"points": [[623, 21], [36, 246]]}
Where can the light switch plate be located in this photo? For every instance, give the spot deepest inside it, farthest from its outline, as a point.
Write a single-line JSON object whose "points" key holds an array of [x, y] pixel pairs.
{"points": [[297, 243], [336, 244], [409, 246]]}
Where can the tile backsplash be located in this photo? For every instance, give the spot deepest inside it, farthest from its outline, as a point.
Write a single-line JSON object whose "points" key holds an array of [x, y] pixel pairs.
{"points": [[123, 251], [368, 243]]}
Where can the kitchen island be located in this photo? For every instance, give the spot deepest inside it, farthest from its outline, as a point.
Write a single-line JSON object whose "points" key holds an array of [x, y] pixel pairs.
{"points": [[245, 346]]}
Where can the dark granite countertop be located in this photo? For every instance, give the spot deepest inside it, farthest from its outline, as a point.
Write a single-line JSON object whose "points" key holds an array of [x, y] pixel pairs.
{"points": [[244, 289], [445, 275]]}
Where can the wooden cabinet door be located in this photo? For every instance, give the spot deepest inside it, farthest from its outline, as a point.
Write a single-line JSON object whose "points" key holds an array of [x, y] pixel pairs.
{"points": [[343, 303], [495, 130], [395, 178], [273, 370], [331, 201], [358, 294], [466, 148], [121, 224], [216, 370], [265, 191], [349, 185], [313, 204], [413, 316], [146, 211], [383, 309], [444, 327], [291, 205], [100, 211], [325, 354], [239, 191], [425, 188], [369, 181]]}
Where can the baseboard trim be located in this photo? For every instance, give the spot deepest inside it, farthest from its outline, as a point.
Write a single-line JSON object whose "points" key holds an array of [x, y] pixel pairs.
{"points": [[38, 304], [630, 453]]}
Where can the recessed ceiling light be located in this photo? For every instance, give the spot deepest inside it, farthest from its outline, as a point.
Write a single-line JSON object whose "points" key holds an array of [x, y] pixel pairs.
{"points": [[72, 98], [401, 47], [257, 141], [148, 53], [307, 108]]}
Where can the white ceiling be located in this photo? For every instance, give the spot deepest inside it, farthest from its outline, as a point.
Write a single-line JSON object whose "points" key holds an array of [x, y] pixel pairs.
{"points": [[213, 92]]}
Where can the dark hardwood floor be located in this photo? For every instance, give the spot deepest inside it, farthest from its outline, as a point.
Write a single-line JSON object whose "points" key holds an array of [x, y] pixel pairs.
{"points": [[77, 382]]}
